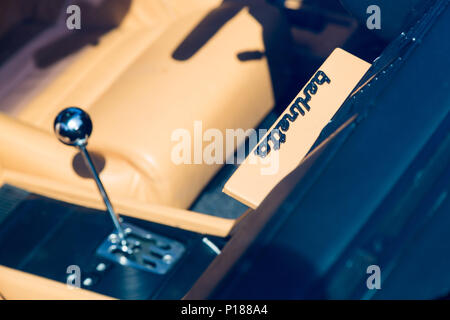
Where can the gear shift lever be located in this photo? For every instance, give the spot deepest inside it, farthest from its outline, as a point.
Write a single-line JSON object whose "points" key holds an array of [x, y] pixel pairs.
{"points": [[129, 245], [73, 126]]}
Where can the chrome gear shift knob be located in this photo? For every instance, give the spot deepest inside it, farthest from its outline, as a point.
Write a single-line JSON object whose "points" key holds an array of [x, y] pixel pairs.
{"points": [[73, 126]]}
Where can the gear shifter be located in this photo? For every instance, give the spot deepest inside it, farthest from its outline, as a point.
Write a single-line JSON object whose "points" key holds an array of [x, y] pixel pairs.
{"points": [[73, 126], [128, 245]]}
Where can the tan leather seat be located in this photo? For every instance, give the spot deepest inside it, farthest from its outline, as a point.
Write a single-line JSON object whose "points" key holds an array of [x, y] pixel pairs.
{"points": [[137, 95]]}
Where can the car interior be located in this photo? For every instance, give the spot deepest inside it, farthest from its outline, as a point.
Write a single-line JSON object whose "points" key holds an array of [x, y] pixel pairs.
{"points": [[142, 69]]}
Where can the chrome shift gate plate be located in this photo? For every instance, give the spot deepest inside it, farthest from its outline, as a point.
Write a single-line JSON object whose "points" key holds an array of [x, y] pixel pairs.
{"points": [[145, 251]]}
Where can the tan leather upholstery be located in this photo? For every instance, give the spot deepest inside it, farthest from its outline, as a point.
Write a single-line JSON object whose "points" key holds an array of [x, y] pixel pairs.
{"points": [[137, 94], [17, 285]]}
